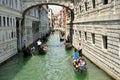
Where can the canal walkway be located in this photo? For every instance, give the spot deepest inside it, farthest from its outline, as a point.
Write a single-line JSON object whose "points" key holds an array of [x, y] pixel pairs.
{"points": [[56, 64]]}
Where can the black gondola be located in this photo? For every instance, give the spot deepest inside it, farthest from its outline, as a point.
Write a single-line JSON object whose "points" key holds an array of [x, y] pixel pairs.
{"points": [[42, 49], [26, 51], [68, 45]]}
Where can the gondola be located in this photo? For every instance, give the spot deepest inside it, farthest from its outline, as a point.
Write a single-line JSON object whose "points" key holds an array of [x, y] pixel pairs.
{"points": [[62, 38], [68, 45], [26, 51], [80, 65], [42, 49]]}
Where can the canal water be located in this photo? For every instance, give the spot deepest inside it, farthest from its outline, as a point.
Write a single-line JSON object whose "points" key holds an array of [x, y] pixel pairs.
{"points": [[56, 64]]}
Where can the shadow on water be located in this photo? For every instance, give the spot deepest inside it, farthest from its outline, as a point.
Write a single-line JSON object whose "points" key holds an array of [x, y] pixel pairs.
{"points": [[81, 76], [10, 68]]}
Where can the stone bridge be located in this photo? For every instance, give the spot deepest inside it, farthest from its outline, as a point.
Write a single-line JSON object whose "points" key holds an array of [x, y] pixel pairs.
{"points": [[28, 4]]}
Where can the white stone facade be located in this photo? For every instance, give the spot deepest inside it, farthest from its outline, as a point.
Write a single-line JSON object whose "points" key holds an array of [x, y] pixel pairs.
{"points": [[97, 28], [9, 11], [11, 39]]}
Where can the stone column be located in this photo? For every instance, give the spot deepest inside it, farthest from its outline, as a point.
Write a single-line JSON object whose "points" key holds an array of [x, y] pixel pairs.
{"points": [[13, 4], [1, 20], [6, 21], [20, 43]]}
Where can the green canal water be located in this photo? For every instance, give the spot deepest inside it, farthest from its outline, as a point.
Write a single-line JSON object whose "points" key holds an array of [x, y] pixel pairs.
{"points": [[56, 64]]}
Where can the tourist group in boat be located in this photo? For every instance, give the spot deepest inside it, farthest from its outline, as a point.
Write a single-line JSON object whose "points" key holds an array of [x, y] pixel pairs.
{"points": [[31, 50], [79, 62]]}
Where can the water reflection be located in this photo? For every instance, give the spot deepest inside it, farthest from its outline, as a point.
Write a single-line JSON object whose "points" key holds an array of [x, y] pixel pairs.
{"points": [[12, 66]]}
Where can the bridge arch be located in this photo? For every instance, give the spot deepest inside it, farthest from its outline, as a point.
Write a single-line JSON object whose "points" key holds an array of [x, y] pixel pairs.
{"points": [[40, 4]]}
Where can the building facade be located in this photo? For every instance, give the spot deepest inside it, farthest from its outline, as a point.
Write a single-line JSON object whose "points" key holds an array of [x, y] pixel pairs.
{"points": [[31, 26], [9, 13], [44, 20], [50, 14], [97, 28], [13, 35]]}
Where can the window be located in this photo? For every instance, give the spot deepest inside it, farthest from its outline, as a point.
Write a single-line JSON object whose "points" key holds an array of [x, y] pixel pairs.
{"points": [[12, 35], [80, 8], [3, 2], [0, 21], [104, 41], [86, 6], [11, 21], [93, 38], [105, 1], [85, 36], [80, 34], [4, 21], [93, 1], [7, 21]]}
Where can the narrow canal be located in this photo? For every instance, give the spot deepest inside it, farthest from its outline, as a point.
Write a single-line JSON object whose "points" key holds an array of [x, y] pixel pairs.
{"points": [[56, 64]]}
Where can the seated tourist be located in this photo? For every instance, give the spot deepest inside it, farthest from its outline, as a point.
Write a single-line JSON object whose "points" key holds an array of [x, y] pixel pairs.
{"points": [[82, 64]]}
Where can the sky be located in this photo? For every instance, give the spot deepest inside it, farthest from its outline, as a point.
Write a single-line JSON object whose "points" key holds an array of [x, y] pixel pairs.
{"points": [[56, 9]]}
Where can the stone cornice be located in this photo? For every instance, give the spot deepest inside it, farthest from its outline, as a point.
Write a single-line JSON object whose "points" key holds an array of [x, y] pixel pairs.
{"points": [[98, 18]]}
